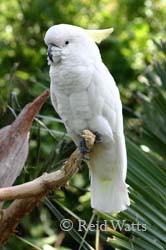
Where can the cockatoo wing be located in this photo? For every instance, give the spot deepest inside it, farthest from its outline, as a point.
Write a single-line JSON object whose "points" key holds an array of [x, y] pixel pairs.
{"points": [[108, 162], [112, 110]]}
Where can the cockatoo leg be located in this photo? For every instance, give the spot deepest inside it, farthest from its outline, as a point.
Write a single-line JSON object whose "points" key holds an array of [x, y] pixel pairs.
{"points": [[83, 147], [87, 140], [99, 138]]}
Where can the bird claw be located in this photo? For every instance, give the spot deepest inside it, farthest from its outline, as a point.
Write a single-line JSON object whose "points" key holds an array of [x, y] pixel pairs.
{"points": [[99, 138], [86, 142], [87, 139], [83, 147]]}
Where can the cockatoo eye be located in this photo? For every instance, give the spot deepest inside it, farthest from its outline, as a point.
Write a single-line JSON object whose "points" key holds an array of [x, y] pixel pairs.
{"points": [[67, 42]]}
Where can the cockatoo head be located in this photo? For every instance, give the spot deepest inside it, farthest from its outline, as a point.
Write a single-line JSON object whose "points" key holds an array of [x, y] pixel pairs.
{"points": [[73, 44]]}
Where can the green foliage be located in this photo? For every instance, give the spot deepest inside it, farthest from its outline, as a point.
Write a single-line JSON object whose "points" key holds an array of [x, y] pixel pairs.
{"points": [[24, 75], [147, 166]]}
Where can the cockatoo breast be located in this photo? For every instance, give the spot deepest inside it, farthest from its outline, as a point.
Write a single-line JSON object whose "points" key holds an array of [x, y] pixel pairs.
{"points": [[70, 95], [68, 79]]}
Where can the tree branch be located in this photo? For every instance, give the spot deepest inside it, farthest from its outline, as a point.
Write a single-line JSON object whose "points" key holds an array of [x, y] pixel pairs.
{"points": [[35, 190], [44, 183]]}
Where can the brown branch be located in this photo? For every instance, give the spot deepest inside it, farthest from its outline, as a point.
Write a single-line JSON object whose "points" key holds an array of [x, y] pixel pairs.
{"points": [[10, 217], [44, 183], [36, 190]]}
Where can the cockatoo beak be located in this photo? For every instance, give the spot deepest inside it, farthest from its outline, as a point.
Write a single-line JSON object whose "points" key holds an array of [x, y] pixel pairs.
{"points": [[99, 35], [49, 52], [54, 53]]}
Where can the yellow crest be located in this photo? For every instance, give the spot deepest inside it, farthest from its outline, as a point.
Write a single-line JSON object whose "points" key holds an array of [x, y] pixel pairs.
{"points": [[99, 35]]}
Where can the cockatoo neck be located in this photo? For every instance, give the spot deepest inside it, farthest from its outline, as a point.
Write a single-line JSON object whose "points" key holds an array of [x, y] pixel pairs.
{"points": [[71, 77]]}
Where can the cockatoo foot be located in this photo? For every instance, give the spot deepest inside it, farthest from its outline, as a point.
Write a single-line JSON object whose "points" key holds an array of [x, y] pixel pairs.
{"points": [[83, 148], [87, 140], [99, 138]]}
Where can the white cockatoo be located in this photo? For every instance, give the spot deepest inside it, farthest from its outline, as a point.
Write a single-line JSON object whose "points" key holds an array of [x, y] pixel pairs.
{"points": [[85, 96]]}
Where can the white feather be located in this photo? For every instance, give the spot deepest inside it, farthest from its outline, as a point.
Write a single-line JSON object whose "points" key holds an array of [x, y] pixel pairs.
{"points": [[85, 95]]}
